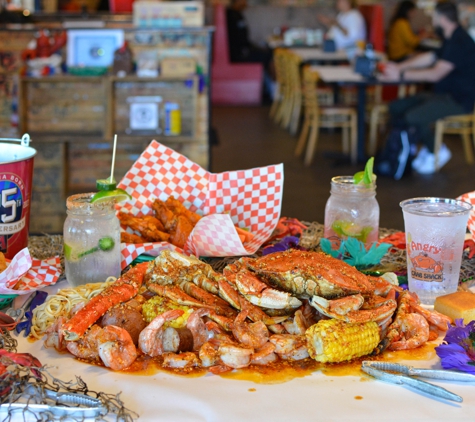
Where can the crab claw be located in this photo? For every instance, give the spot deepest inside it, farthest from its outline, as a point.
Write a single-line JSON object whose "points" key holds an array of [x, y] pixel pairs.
{"points": [[258, 293], [337, 306], [273, 299]]}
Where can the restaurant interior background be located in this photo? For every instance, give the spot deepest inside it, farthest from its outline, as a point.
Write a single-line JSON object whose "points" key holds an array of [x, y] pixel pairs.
{"points": [[72, 118]]}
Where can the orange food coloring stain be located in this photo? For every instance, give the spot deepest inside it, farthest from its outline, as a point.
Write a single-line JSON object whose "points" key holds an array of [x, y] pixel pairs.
{"points": [[251, 390], [358, 397]]}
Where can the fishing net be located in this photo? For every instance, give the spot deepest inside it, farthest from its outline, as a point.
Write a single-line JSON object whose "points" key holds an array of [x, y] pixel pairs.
{"points": [[27, 388]]}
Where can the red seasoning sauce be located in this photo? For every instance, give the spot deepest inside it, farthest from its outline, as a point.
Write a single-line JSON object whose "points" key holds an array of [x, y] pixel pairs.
{"points": [[283, 371]]}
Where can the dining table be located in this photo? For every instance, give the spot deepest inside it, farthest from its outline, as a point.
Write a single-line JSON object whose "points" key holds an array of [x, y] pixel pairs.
{"points": [[346, 75], [329, 393], [317, 54]]}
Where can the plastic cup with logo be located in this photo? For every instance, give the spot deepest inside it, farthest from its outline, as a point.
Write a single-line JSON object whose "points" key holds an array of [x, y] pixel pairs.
{"points": [[435, 233]]}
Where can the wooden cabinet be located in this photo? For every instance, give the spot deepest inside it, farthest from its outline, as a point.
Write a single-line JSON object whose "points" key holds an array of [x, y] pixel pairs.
{"points": [[77, 118], [63, 105], [72, 119], [48, 199]]}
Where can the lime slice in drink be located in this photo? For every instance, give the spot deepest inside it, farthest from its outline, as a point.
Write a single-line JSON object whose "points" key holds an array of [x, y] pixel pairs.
{"points": [[118, 195], [67, 251], [345, 228], [70, 253], [106, 184]]}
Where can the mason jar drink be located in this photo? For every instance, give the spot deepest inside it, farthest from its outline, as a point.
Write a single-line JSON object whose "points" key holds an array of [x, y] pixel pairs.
{"points": [[351, 211], [435, 233], [91, 240]]}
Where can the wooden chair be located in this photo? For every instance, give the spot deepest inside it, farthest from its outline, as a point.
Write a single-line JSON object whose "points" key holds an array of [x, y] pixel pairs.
{"points": [[463, 125], [282, 96], [278, 59], [379, 113], [288, 109], [316, 117], [293, 63]]}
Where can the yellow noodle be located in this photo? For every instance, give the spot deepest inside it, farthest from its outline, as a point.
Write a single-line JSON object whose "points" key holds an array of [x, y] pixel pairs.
{"points": [[62, 304]]}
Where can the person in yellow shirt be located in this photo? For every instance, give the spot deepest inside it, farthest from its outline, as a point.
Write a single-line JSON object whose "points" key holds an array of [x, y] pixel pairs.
{"points": [[402, 41]]}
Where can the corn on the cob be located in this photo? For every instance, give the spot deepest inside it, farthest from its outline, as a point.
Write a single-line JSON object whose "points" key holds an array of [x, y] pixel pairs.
{"points": [[158, 305], [337, 341]]}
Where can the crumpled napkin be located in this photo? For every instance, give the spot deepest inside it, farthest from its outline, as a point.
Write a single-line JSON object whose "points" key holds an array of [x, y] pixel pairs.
{"points": [[25, 274], [249, 198]]}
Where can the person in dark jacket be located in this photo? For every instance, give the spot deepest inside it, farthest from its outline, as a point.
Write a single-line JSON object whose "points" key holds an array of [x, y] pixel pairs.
{"points": [[241, 49], [452, 71]]}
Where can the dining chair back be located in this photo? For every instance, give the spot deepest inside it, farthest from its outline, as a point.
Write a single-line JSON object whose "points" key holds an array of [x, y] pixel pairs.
{"points": [[283, 109], [280, 85], [463, 125], [379, 114], [295, 83], [317, 116]]}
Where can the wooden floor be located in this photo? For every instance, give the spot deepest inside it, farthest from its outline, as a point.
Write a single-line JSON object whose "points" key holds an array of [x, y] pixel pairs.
{"points": [[248, 138]]}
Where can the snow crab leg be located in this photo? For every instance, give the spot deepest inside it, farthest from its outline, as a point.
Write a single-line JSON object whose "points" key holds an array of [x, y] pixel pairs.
{"points": [[125, 288]]}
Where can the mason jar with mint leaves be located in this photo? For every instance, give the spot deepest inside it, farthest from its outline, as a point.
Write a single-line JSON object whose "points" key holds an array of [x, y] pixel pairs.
{"points": [[352, 209], [91, 240]]}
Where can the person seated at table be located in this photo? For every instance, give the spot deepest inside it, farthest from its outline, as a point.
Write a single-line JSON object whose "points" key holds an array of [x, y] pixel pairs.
{"points": [[402, 41], [452, 70], [241, 49], [348, 28]]}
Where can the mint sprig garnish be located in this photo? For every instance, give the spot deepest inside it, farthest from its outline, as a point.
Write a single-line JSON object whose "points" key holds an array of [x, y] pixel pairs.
{"points": [[366, 176]]}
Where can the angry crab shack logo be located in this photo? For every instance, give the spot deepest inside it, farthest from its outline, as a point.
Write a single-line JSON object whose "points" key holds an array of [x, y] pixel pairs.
{"points": [[424, 266], [11, 207]]}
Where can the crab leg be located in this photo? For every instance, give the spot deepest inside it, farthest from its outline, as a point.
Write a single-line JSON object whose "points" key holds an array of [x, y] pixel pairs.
{"points": [[125, 288], [353, 313], [257, 314], [225, 322], [221, 306], [229, 293], [177, 295]]}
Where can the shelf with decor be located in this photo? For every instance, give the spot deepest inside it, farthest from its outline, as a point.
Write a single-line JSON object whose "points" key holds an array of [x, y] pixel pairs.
{"points": [[77, 115]]}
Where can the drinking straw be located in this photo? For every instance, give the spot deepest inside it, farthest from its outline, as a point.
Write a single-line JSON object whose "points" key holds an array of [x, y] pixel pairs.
{"points": [[113, 158]]}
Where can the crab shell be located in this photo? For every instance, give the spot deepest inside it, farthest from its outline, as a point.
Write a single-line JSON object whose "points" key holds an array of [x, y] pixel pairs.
{"points": [[306, 274]]}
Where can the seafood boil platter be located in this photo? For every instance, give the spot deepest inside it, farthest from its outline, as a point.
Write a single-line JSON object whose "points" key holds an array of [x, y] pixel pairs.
{"points": [[284, 335], [324, 392]]}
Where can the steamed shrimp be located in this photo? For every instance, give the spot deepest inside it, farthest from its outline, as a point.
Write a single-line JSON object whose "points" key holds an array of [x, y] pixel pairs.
{"points": [[151, 337]]}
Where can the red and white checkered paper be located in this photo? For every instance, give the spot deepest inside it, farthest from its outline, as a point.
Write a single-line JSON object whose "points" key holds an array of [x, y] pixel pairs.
{"points": [[251, 199], [131, 251], [28, 274], [470, 198]]}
